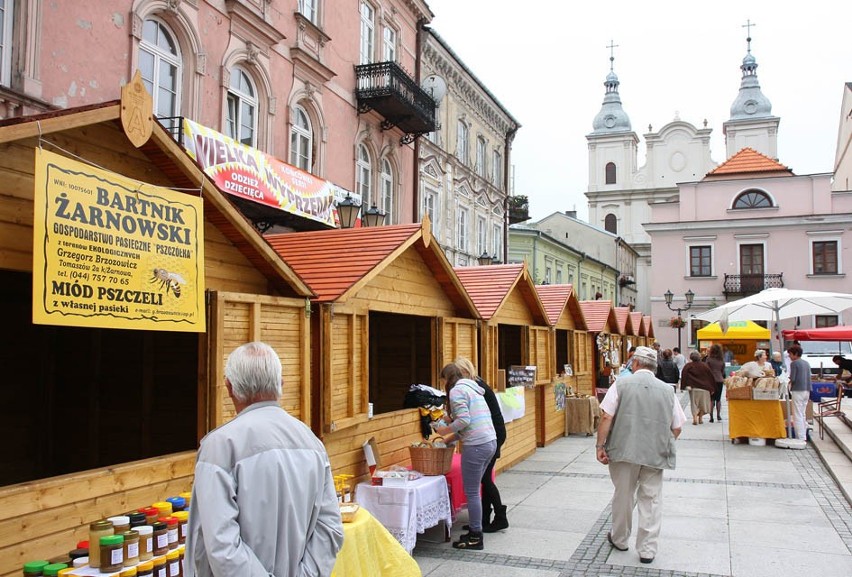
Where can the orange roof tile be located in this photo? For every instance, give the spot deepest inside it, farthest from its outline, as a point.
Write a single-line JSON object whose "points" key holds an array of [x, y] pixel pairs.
{"points": [[335, 262], [488, 287], [599, 316], [625, 324], [649, 326], [749, 161], [555, 297], [638, 325]]}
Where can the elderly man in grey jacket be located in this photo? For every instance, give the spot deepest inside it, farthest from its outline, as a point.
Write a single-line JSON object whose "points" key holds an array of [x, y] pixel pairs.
{"points": [[263, 500], [641, 419]]}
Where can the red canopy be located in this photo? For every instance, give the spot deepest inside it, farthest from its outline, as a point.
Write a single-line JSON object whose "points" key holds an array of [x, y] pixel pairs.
{"points": [[821, 334]]}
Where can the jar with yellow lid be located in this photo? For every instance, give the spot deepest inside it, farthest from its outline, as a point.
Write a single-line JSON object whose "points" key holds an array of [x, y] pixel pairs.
{"points": [[173, 561], [164, 507], [66, 571], [128, 572], [145, 569], [97, 530], [183, 519], [159, 566], [188, 496]]}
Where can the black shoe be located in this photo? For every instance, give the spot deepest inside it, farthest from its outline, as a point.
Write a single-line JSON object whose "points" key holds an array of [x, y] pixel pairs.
{"points": [[499, 522], [470, 540], [646, 560], [611, 542], [711, 418]]}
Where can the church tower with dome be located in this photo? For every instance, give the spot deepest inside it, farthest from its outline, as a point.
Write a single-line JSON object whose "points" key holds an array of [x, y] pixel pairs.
{"points": [[620, 193]]}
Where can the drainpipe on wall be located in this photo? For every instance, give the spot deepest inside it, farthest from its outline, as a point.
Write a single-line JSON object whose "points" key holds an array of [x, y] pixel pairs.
{"points": [[510, 136], [415, 194]]}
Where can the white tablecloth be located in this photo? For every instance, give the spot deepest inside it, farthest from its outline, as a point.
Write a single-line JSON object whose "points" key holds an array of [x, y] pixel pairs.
{"points": [[407, 511]]}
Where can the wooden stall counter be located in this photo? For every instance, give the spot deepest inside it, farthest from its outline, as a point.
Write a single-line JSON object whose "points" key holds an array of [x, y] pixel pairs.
{"points": [[756, 419], [582, 415], [369, 549]]}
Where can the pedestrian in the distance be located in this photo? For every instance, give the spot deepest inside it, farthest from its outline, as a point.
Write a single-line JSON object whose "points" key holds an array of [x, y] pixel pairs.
{"points": [[640, 420]]}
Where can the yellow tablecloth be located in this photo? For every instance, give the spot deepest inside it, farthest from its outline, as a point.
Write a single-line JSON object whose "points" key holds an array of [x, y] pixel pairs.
{"points": [[762, 419], [369, 550], [582, 415]]}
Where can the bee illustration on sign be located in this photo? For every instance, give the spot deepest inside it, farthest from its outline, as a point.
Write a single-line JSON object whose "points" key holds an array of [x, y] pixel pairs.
{"points": [[168, 281]]}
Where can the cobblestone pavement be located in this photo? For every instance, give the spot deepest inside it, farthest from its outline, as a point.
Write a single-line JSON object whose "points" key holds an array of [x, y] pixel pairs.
{"points": [[732, 510]]}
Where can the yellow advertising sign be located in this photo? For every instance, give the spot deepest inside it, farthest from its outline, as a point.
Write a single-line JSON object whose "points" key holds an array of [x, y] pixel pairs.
{"points": [[110, 252]]}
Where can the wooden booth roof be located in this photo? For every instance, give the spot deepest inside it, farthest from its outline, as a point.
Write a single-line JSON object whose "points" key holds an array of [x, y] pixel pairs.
{"points": [[555, 298], [639, 328], [625, 321], [649, 326], [488, 287], [173, 168], [600, 316], [337, 263]]}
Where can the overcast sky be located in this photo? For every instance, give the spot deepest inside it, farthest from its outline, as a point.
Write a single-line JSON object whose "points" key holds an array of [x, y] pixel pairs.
{"points": [[546, 62]]}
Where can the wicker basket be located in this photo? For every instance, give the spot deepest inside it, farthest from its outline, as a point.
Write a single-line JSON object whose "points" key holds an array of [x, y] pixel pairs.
{"points": [[431, 460], [738, 394]]}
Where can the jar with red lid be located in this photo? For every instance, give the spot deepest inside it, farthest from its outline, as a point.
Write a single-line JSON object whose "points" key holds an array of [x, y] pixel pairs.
{"points": [[151, 514], [172, 527]]}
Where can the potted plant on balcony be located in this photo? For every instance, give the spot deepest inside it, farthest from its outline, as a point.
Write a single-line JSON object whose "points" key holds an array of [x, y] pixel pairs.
{"points": [[677, 322], [519, 208]]}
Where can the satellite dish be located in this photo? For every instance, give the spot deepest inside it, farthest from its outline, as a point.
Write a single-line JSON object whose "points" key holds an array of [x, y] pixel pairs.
{"points": [[435, 86]]}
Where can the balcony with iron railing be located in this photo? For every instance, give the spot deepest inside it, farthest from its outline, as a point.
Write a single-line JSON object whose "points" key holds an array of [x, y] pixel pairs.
{"points": [[743, 285], [386, 88]]}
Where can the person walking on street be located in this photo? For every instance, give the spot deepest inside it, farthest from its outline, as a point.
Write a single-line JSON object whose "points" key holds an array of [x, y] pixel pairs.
{"points": [[472, 425], [490, 493], [679, 359], [263, 500], [641, 419], [800, 389], [716, 362], [698, 379]]}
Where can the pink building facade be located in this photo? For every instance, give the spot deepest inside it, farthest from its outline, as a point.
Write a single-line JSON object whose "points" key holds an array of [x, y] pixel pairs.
{"points": [[279, 75], [749, 224]]}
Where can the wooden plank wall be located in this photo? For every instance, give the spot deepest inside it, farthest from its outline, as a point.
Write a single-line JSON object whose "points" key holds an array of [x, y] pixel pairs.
{"points": [[520, 436], [394, 433], [551, 423], [43, 519], [583, 367]]}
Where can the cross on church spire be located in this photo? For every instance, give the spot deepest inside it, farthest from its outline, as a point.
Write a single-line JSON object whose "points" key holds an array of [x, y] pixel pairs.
{"points": [[612, 48], [748, 26]]}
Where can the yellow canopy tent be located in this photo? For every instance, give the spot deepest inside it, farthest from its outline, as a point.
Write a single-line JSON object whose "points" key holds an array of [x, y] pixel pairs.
{"points": [[736, 330], [742, 339]]}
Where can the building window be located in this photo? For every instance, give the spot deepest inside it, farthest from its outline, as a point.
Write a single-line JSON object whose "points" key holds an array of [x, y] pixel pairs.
{"points": [[559, 276], [481, 235], [462, 230], [825, 256], [386, 200], [611, 223], [389, 44], [752, 199], [496, 168], [368, 15], [430, 208], [364, 176], [610, 173], [700, 261], [480, 156], [497, 242], [548, 274], [461, 141], [301, 140], [7, 15], [161, 68], [242, 108], [825, 321], [310, 10]]}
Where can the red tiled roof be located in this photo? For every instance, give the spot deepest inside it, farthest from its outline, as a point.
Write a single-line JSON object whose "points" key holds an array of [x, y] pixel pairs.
{"points": [[598, 314], [649, 326], [555, 297], [749, 161], [625, 325], [488, 286], [638, 326]]}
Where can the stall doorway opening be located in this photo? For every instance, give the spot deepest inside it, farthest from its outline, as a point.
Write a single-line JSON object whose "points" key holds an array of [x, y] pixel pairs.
{"points": [[511, 346], [563, 350], [78, 398], [401, 353]]}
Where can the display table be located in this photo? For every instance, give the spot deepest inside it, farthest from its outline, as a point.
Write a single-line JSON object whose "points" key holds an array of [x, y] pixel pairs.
{"points": [[582, 415], [407, 511], [368, 549], [456, 484], [760, 419]]}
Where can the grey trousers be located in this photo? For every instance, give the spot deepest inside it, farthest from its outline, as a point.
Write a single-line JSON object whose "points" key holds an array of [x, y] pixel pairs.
{"points": [[641, 487], [474, 461]]}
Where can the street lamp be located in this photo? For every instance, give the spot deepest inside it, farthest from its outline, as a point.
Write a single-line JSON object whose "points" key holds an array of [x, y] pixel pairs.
{"points": [[689, 298], [485, 259], [347, 211], [374, 217]]}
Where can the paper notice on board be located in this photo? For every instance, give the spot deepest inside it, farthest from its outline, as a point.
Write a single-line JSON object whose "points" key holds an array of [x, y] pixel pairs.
{"points": [[512, 403]]}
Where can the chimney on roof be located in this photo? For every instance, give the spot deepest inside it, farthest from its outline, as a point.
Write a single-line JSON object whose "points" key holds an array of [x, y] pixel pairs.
{"points": [[571, 213]]}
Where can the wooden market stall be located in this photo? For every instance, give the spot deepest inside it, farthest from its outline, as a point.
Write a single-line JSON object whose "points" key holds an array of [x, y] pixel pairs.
{"points": [[572, 346], [108, 419], [639, 329], [742, 338], [515, 332], [626, 329], [389, 312], [650, 337], [603, 328]]}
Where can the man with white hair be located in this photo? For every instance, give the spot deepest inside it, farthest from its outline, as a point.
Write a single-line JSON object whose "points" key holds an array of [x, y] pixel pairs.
{"points": [[640, 420], [263, 501]]}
